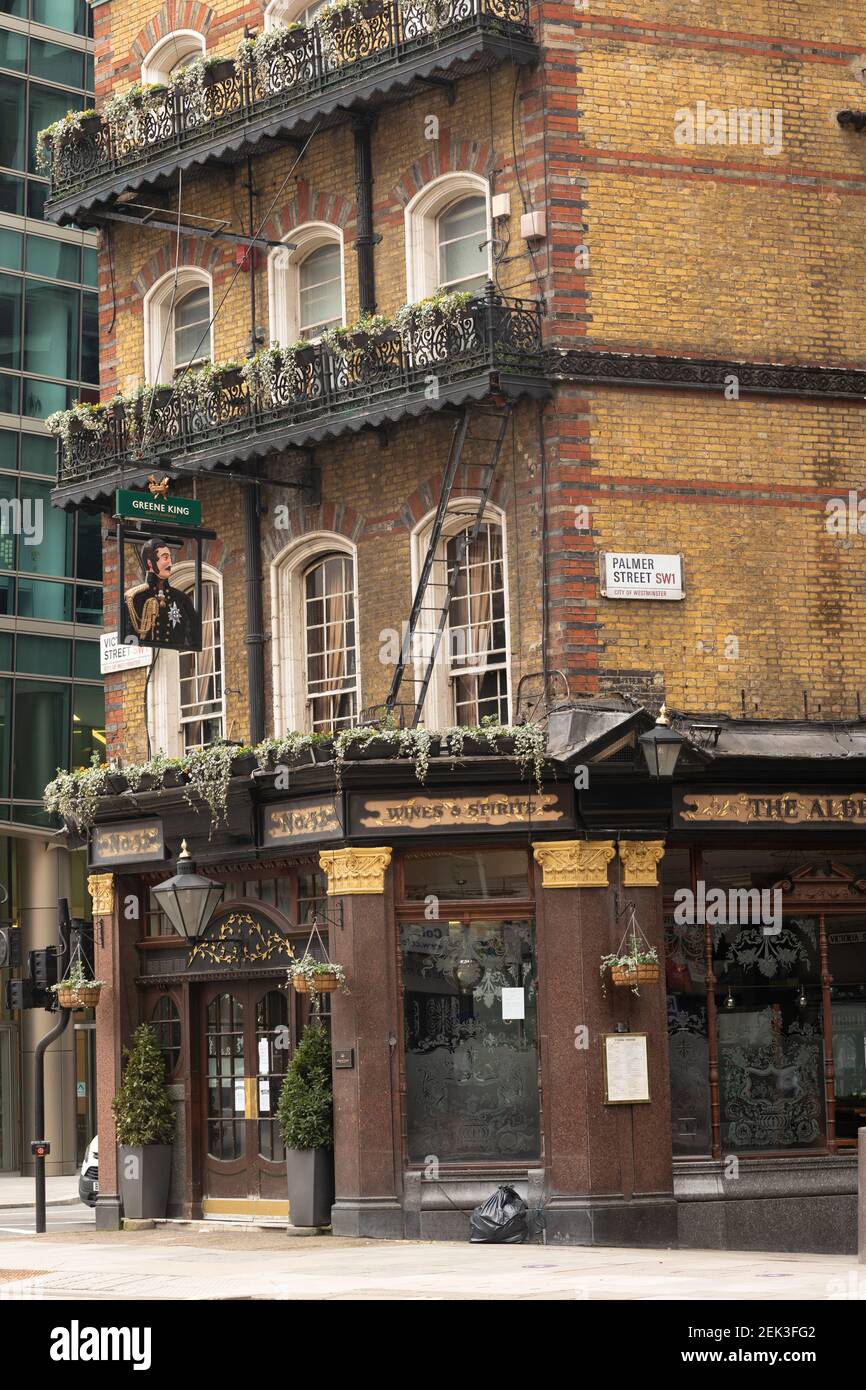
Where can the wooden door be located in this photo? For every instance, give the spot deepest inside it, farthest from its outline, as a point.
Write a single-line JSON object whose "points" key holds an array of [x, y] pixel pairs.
{"points": [[248, 1038]]}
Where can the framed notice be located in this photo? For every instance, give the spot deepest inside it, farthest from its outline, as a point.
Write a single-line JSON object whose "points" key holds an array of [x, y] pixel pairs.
{"points": [[626, 1069]]}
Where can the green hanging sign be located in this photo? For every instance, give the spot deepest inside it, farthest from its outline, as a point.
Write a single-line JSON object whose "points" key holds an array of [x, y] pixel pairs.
{"points": [[141, 506]]}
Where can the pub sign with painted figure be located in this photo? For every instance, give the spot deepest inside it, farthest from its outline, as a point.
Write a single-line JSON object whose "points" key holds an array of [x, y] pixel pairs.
{"points": [[156, 613]]}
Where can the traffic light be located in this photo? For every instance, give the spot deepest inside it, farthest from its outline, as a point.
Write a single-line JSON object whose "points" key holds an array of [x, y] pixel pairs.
{"points": [[43, 967], [21, 995], [10, 947]]}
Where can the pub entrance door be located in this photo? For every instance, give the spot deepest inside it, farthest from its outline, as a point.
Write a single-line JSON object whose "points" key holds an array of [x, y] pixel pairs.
{"points": [[247, 1040]]}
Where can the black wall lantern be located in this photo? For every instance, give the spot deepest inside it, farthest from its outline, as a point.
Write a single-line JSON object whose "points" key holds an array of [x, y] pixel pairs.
{"points": [[187, 899], [661, 747]]}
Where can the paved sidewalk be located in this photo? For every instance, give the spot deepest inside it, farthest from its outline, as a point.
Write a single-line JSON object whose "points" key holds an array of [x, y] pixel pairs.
{"points": [[194, 1262], [21, 1192]]}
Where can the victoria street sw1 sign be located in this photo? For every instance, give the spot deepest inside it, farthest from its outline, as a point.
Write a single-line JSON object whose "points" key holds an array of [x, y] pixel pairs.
{"points": [[140, 506]]}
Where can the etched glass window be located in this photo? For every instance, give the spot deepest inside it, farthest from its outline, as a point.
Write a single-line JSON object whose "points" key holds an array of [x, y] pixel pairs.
{"points": [[470, 1049], [165, 1022]]}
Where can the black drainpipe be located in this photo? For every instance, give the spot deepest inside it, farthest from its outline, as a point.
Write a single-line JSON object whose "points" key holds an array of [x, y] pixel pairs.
{"points": [[364, 202], [254, 638]]}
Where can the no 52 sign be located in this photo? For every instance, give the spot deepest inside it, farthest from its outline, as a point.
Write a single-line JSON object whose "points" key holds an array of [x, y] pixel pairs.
{"points": [[642, 576]]}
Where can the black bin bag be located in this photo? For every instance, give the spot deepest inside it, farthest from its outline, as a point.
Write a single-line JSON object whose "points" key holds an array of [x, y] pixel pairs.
{"points": [[501, 1220]]}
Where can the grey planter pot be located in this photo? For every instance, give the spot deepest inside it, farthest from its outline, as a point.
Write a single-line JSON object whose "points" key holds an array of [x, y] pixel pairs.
{"points": [[145, 1173], [311, 1186]]}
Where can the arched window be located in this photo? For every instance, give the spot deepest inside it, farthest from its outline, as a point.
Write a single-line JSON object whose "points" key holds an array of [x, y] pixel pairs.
{"points": [[316, 669], [307, 285], [171, 54], [470, 681], [460, 233], [186, 704], [192, 330], [290, 12], [176, 323], [448, 236], [330, 642]]}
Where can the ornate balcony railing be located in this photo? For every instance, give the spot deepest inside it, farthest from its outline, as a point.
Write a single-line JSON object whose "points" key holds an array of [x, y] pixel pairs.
{"points": [[312, 73], [378, 377]]}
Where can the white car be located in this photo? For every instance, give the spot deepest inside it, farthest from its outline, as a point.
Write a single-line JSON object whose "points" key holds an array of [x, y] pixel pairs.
{"points": [[88, 1178]]}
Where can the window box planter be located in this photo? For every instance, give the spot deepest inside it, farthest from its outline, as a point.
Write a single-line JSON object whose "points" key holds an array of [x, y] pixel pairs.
{"points": [[244, 765], [172, 777], [226, 380], [304, 357], [118, 782], [377, 748], [161, 398], [90, 125], [222, 71], [323, 752]]}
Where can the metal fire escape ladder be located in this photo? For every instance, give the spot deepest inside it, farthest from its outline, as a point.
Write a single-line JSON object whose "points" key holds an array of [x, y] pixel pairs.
{"points": [[455, 483]]}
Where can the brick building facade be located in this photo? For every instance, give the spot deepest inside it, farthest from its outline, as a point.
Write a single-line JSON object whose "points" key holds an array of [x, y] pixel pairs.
{"points": [[678, 343]]}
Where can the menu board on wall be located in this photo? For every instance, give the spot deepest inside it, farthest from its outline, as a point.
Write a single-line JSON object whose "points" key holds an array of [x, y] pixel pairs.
{"points": [[626, 1069]]}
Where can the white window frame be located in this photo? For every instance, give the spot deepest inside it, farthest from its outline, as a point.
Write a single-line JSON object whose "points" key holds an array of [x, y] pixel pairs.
{"points": [[179, 44], [280, 12], [283, 277], [163, 696], [288, 625], [421, 218], [439, 711], [158, 304]]}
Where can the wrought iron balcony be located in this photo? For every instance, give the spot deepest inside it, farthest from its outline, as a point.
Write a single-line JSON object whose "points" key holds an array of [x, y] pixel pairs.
{"points": [[394, 49], [494, 344]]}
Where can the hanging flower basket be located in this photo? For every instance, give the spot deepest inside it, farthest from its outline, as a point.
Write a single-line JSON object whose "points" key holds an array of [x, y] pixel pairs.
{"points": [[634, 963], [326, 983], [313, 976], [79, 996], [75, 990], [635, 973]]}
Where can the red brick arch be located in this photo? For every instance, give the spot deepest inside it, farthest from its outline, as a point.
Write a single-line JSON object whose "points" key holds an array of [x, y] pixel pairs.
{"points": [[425, 498], [194, 251], [175, 14], [450, 154], [338, 518], [309, 205]]}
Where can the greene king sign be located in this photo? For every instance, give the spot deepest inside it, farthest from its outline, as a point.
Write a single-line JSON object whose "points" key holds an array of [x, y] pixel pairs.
{"points": [[140, 506], [642, 576]]}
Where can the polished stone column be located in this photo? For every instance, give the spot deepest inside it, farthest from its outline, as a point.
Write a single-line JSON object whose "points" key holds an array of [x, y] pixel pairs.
{"points": [[365, 1024], [116, 963], [608, 1168]]}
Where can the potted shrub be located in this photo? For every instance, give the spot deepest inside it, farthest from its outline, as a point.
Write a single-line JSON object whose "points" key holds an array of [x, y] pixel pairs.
{"points": [[311, 976], [635, 963], [305, 1117], [145, 1128], [76, 990]]}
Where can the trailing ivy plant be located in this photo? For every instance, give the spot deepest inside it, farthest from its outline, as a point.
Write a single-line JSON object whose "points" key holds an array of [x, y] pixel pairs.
{"points": [[82, 415], [262, 372], [337, 339], [51, 138], [256, 56], [208, 771], [426, 313], [134, 99], [75, 795], [310, 969]]}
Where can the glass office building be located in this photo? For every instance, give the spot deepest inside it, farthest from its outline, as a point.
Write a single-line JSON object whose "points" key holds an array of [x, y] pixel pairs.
{"points": [[51, 701]]}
